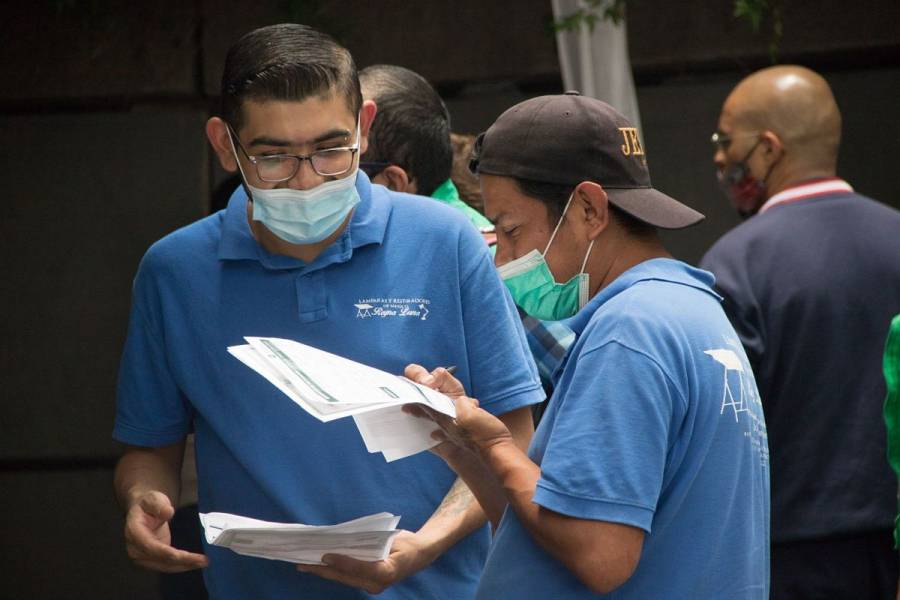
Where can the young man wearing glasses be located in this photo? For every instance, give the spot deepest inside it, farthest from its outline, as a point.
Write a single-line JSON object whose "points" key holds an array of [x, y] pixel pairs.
{"points": [[301, 245]]}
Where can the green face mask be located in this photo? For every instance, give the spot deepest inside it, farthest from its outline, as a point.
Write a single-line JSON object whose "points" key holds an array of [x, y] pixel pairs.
{"points": [[535, 290]]}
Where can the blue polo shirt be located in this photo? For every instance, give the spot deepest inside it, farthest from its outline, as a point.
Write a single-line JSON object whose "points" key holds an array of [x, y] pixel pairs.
{"points": [[655, 422], [409, 280]]}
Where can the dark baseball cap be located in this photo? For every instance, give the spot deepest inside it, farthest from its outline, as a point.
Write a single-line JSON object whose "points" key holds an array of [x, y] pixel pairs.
{"points": [[570, 138]]}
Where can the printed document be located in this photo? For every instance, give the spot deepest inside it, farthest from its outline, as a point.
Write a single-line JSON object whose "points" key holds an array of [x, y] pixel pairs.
{"points": [[366, 538], [331, 387]]}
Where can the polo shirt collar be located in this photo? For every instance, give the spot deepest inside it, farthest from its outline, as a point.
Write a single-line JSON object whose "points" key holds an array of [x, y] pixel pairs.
{"points": [[658, 269], [367, 226], [813, 188]]}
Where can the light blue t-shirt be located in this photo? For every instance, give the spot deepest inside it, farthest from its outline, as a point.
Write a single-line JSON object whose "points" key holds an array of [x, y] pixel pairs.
{"points": [[409, 281], [656, 423]]}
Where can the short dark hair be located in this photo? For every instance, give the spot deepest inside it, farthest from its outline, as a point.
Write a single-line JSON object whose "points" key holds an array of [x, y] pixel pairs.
{"points": [[556, 195], [412, 125], [286, 62], [465, 181]]}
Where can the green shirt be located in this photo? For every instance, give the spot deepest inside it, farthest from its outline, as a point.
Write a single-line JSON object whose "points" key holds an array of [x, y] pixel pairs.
{"points": [[892, 406], [448, 194]]}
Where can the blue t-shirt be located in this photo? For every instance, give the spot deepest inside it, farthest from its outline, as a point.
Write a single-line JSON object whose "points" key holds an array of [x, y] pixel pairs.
{"points": [[408, 281], [656, 423]]}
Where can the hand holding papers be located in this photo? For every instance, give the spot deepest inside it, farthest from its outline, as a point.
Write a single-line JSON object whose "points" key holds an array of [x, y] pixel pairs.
{"points": [[330, 387], [367, 538]]}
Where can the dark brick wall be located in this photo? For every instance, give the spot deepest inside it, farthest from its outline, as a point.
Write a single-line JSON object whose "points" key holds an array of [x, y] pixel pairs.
{"points": [[102, 152]]}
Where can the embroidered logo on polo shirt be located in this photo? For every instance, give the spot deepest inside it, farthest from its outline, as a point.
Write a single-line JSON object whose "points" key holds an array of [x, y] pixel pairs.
{"points": [[398, 308]]}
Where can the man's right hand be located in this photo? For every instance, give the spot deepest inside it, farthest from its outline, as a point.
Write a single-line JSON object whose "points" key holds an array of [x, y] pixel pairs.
{"points": [[473, 429], [149, 541]]}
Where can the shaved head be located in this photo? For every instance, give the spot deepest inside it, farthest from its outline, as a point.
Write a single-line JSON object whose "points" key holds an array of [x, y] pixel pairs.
{"points": [[797, 105]]}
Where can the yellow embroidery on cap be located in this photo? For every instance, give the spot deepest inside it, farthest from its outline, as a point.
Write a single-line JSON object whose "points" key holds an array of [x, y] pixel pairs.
{"points": [[632, 145]]}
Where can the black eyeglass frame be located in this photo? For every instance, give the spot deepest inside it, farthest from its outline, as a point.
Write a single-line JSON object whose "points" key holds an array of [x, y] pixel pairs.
{"points": [[722, 141], [373, 167], [298, 158]]}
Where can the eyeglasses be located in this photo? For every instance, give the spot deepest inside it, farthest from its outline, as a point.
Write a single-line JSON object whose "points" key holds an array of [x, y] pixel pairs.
{"points": [[722, 141], [372, 167], [328, 162]]}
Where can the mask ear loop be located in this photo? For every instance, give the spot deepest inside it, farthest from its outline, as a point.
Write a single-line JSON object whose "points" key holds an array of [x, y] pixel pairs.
{"points": [[584, 284], [244, 183], [358, 156], [553, 235], [588, 255], [755, 146], [558, 223]]}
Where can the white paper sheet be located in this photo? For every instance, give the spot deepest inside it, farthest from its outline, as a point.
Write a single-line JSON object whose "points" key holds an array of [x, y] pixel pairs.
{"points": [[394, 433], [331, 387], [366, 538]]}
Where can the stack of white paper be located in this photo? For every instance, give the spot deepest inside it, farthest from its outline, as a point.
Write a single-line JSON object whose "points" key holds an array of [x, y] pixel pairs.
{"points": [[330, 387], [366, 538]]}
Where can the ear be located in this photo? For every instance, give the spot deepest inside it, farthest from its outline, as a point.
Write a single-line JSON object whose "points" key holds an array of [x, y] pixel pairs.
{"points": [[592, 205], [366, 117], [395, 178], [220, 139], [774, 147]]}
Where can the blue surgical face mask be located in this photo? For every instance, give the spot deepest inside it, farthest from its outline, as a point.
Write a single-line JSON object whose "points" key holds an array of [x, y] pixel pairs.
{"points": [[304, 216], [535, 290]]}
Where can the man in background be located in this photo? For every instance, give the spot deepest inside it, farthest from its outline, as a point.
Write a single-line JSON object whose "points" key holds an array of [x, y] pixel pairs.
{"points": [[811, 280], [412, 150], [465, 181], [409, 143], [892, 409]]}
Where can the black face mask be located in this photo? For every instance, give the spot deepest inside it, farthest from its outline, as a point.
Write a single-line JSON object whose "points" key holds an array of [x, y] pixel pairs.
{"points": [[746, 192]]}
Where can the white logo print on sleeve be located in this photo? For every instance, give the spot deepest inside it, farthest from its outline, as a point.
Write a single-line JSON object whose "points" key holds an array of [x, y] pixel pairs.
{"points": [[740, 395], [731, 362]]}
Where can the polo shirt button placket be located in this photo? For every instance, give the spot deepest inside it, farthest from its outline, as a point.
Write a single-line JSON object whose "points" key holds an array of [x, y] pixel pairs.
{"points": [[311, 297]]}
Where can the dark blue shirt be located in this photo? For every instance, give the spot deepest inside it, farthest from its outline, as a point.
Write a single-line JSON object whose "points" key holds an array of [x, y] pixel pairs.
{"points": [[811, 286]]}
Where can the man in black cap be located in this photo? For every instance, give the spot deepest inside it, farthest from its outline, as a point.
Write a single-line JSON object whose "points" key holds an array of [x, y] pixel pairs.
{"points": [[649, 471]]}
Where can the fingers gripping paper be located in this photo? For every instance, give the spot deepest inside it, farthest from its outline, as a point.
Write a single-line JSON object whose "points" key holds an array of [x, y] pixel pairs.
{"points": [[331, 387]]}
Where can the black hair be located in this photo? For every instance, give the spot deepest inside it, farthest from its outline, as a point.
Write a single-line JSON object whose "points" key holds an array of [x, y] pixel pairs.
{"points": [[286, 62], [555, 196], [412, 125]]}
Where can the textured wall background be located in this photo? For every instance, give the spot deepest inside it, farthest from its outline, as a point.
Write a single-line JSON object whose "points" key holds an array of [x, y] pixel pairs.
{"points": [[102, 152]]}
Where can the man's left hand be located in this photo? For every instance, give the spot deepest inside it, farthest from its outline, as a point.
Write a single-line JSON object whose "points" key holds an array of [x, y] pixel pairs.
{"points": [[406, 557]]}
